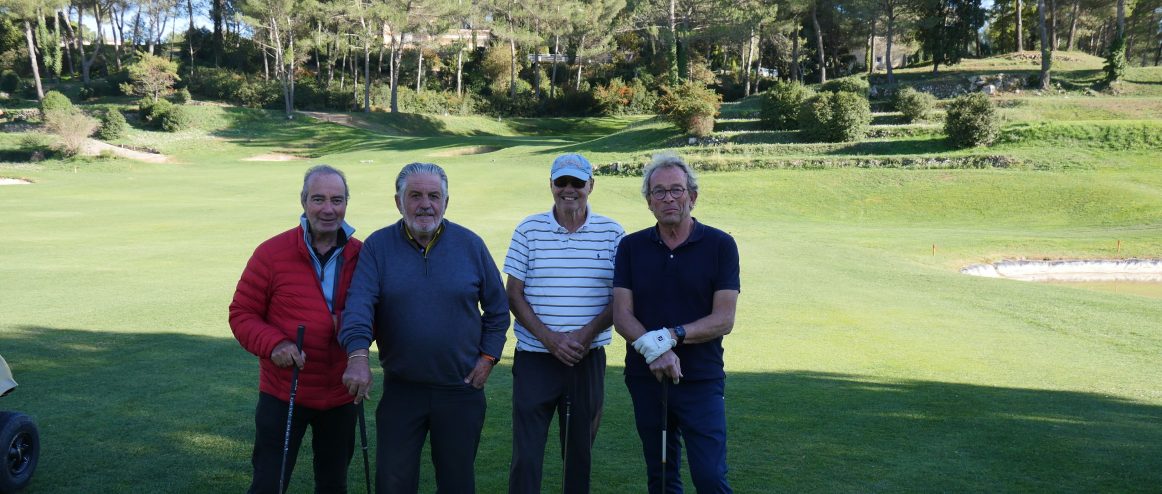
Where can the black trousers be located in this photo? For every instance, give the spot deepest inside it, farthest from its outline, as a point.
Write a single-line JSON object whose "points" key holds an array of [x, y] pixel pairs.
{"points": [[407, 413], [332, 444], [543, 386]]}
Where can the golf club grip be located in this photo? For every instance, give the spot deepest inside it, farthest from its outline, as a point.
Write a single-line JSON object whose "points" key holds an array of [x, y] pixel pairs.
{"points": [[290, 411]]}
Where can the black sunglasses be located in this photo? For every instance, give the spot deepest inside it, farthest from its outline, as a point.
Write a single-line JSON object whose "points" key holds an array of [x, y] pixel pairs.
{"points": [[574, 181]]}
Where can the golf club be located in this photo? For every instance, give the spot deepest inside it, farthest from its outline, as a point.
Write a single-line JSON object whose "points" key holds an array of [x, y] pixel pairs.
{"points": [[363, 442], [290, 412], [568, 420], [665, 426]]}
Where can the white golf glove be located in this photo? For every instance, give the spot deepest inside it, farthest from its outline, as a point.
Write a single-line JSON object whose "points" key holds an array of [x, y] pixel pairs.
{"points": [[654, 343]]}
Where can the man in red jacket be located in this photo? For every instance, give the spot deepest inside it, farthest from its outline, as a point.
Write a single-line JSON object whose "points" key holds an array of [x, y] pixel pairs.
{"points": [[300, 277]]}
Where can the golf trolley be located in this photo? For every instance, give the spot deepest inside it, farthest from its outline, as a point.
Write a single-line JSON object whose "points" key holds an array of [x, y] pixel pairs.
{"points": [[19, 441]]}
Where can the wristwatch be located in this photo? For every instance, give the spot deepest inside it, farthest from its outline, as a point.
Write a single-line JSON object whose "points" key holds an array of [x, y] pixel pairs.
{"points": [[680, 332]]}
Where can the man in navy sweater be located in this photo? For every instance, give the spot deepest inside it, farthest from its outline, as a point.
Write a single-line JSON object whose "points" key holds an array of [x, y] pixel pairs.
{"points": [[430, 295]]}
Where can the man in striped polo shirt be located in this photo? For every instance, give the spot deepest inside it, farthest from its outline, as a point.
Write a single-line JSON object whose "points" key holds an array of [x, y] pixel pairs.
{"points": [[560, 285]]}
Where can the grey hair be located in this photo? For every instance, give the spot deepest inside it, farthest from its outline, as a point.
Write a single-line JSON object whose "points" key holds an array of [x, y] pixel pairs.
{"points": [[323, 170], [667, 160], [409, 169]]}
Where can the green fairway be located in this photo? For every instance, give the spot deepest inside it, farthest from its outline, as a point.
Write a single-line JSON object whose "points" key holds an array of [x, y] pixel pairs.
{"points": [[861, 359]]}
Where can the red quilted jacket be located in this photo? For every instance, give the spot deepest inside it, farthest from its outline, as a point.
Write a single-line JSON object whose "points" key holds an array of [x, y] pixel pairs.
{"points": [[278, 291]]}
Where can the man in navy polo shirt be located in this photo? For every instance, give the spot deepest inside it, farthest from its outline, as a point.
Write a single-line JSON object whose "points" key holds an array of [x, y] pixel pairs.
{"points": [[675, 288]]}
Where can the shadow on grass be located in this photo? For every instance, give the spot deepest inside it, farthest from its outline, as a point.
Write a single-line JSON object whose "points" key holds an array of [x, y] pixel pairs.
{"points": [[266, 129], [166, 412], [852, 433], [914, 145], [738, 125]]}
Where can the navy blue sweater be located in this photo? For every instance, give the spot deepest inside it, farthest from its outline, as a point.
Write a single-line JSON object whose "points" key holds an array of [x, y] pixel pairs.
{"points": [[433, 313]]}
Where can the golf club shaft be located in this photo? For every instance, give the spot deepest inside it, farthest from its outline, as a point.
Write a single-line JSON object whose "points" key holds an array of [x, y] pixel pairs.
{"points": [[363, 441], [290, 411], [665, 425], [568, 423]]}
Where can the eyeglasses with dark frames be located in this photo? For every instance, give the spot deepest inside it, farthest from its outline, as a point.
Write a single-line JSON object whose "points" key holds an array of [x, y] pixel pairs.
{"points": [[660, 193]]}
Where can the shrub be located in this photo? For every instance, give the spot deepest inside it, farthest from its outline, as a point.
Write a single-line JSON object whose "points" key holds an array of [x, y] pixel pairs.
{"points": [[1115, 67], [971, 120], [617, 98], [151, 111], [852, 84], [87, 92], [151, 76], [570, 102], [181, 96], [258, 94], [55, 101], [9, 82], [781, 103], [38, 145], [176, 118], [689, 106], [72, 127], [835, 117], [215, 84], [915, 105], [113, 125], [111, 86]]}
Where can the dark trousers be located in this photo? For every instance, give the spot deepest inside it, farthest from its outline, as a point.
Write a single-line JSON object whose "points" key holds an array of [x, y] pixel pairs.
{"points": [[407, 413], [542, 386], [697, 418], [332, 444]]}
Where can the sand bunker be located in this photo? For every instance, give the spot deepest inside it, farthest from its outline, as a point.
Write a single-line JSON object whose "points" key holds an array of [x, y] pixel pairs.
{"points": [[14, 181], [466, 151], [1146, 270], [94, 147], [273, 157]]}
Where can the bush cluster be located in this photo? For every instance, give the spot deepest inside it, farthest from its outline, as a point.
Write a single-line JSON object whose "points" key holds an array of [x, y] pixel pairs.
{"points": [[850, 84], [181, 96], [113, 125], [165, 115], [87, 92], [223, 85], [37, 145], [72, 127], [915, 105], [781, 103], [55, 101], [427, 102], [835, 117], [691, 106], [971, 120], [619, 98], [9, 81]]}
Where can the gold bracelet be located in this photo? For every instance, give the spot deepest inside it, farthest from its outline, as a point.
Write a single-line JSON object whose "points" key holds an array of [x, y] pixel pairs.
{"points": [[364, 355]]}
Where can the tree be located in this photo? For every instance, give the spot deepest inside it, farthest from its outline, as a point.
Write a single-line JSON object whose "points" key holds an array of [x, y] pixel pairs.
{"points": [[151, 76], [1046, 48], [818, 41], [947, 27], [279, 23], [892, 9], [591, 33], [1020, 28], [87, 63], [26, 11]]}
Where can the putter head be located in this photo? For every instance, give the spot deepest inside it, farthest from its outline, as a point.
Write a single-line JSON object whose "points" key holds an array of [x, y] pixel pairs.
{"points": [[7, 384]]}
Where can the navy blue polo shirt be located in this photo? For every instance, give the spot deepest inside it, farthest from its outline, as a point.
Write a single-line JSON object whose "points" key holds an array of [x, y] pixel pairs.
{"points": [[673, 287]]}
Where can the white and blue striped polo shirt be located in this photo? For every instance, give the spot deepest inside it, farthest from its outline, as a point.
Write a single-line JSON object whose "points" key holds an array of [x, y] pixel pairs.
{"points": [[568, 277]]}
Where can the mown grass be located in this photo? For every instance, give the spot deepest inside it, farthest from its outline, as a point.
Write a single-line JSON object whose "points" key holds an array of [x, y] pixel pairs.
{"points": [[861, 359]]}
